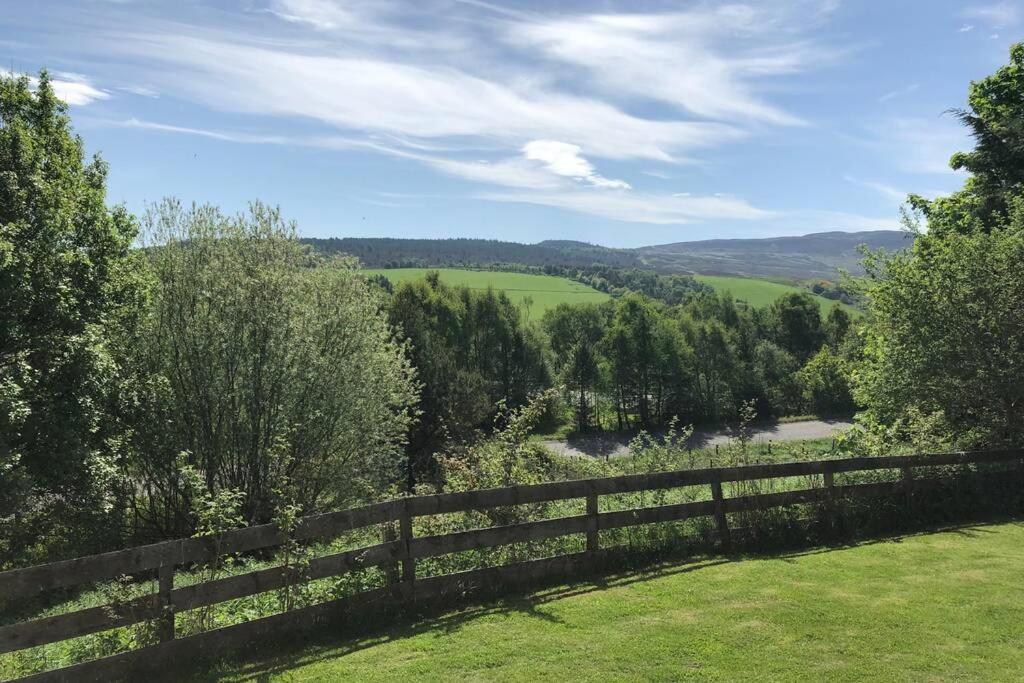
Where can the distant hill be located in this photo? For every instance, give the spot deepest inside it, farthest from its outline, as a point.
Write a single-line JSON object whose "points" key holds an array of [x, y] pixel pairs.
{"points": [[814, 256], [389, 252]]}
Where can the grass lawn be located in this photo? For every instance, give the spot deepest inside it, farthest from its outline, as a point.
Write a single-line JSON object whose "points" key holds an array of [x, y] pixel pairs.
{"points": [[547, 291], [940, 606], [760, 293]]}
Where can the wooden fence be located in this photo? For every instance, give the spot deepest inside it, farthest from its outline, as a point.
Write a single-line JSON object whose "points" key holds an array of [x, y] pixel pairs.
{"points": [[398, 555]]}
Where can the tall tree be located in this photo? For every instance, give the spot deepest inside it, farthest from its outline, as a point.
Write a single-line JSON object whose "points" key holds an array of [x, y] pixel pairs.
{"points": [[575, 333], [632, 354], [796, 320], [995, 118], [473, 351], [68, 287], [945, 338], [266, 366]]}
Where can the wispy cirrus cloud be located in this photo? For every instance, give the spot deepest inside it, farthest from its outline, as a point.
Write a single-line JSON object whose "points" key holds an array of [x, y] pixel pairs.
{"points": [[370, 95], [75, 89], [323, 15], [893, 94], [883, 189], [529, 100], [638, 207], [995, 15], [705, 60]]}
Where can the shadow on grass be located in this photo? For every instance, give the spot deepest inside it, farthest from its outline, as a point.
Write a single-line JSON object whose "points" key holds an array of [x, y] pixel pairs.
{"points": [[294, 652]]}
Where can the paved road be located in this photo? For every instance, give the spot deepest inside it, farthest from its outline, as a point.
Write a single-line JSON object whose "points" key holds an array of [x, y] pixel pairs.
{"points": [[616, 445]]}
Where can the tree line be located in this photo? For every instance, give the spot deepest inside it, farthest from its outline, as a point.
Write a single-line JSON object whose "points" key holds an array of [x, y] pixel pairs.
{"points": [[630, 363]]}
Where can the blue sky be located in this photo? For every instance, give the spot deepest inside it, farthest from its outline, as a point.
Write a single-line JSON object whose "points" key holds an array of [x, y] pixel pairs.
{"points": [[620, 123]]}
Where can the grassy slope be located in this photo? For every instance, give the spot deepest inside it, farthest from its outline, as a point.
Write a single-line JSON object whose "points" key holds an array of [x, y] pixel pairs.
{"points": [[759, 293], [942, 606], [547, 291]]}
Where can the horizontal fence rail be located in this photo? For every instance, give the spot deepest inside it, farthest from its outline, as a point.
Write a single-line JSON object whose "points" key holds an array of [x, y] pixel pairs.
{"points": [[398, 555]]}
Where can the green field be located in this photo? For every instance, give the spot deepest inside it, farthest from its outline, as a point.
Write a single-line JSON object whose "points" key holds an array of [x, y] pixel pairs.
{"points": [[760, 293], [546, 291], [939, 606]]}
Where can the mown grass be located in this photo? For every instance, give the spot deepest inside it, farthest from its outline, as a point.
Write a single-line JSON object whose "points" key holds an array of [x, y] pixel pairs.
{"points": [[760, 293], [936, 606], [546, 291]]}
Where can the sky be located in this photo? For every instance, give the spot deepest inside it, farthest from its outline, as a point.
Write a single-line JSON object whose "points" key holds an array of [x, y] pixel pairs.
{"points": [[621, 123]]}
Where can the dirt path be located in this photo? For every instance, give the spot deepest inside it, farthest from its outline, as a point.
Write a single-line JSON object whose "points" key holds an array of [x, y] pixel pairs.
{"points": [[617, 445]]}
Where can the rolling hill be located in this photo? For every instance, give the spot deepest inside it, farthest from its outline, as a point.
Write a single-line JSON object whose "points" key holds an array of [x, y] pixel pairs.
{"points": [[544, 291], [814, 256], [760, 293]]}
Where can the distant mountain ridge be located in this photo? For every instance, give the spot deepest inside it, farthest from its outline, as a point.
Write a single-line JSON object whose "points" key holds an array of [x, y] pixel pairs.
{"points": [[813, 256], [817, 255]]}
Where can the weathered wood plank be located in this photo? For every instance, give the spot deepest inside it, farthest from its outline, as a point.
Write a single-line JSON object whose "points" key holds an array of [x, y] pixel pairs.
{"points": [[654, 514], [110, 565], [95, 619], [178, 654], [431, 546], [59, 627], [273, 578]]}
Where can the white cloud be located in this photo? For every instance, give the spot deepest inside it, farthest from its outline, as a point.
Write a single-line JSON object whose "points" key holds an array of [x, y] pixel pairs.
{"points": [[224, 136], [412, 101], [542, 98], [881, 188], [635, 207], [706, 60], [898, 93], [995, 15], [565, 160], [510, 172], [966, 28], [74, 89], [140, 91], [323, 15]]}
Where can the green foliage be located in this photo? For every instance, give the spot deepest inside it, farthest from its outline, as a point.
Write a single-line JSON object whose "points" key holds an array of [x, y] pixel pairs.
{"points": [[762, 293], [575, 334], [826, 382], [995, 118], [796, 325], [775, 369], [263, 364], [68, 290], [473, 350], [948, 333]]}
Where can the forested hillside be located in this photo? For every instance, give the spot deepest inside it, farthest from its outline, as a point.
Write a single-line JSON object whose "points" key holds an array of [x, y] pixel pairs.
{"points": [[814, 256], [389, 252]]}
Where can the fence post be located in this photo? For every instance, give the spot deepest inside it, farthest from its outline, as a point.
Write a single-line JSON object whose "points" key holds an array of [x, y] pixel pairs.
{"points": [[830, 497], [408, 563], [908, 484], [391, 568], [720, 519], [165, 579], [593, 539]]}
